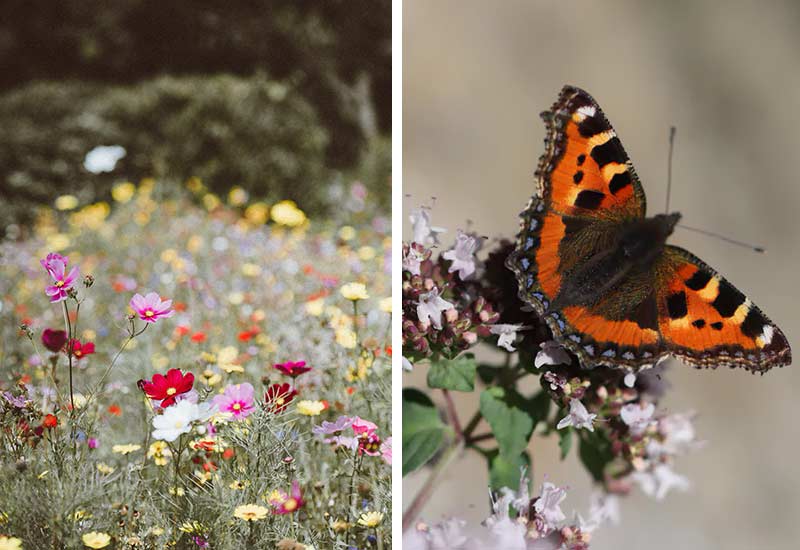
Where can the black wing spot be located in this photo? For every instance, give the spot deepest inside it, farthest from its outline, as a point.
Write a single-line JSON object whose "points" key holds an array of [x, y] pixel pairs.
{"points": [[619, 181], [717, 325], [593, 125], [699, 280], [700, 323], [578, 176], [676, 305], [589, 199], [581, 159], [646, 314], [572, 225], [753, 324], [728, 299], [610, 151]]}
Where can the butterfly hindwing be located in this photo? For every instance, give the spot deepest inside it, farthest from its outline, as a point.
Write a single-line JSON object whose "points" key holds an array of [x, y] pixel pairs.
{"points": [[706, 321]]}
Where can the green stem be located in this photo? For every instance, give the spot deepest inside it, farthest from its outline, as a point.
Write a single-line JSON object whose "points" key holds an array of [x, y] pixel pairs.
{"points": [[356, 464]]}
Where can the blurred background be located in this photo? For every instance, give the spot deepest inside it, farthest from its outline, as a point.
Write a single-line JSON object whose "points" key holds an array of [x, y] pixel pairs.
{"points": [[281, 98], [475, 77]]}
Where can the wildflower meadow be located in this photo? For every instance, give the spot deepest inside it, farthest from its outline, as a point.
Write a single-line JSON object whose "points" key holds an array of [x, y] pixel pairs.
{"points": [[186, 370]]}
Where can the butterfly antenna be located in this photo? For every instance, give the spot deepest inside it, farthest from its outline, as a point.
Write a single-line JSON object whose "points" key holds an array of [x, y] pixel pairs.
{"points": [[669, 165], [754, 248]]}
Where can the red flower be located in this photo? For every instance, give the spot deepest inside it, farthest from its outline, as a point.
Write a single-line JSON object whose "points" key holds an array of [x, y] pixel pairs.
{"points": [[115, 410], [279, 396], [228, 453], [293, 369], [168, 387], [81, 350], [54, 340], [50, 421], [198, 337]]}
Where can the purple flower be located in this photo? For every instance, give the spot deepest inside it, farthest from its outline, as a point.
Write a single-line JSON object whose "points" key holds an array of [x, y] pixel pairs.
{"points": [[56, 266], [15, 401], [151, 307], [430, 308], [335, 429], [236, 400]]}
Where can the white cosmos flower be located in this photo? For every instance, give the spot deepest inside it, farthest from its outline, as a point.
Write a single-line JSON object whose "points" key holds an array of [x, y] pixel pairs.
{"points": [[178, 419], [430, 308], [578, 417], [103, 158]]}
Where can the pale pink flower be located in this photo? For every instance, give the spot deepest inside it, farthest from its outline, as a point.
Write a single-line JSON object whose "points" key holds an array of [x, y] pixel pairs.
{"points": [[237, 399], [56, 266], [363, 427], [578, 417], [386, 451], [151, 307]]}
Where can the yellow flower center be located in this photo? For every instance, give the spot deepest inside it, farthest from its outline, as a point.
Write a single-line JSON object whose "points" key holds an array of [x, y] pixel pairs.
{"points": [[280, 401], [171, 391], [78, 353], [290, 505], [237, 406], [178, 424], [149, 313], [59, 284]]}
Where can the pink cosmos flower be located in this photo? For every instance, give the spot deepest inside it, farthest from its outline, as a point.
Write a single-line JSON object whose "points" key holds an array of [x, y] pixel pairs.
{"points": [[370, 444], [363, 427], [284, 503], [150, 308], [386, 451], [237, 400], [53, 339], [56, 266]]}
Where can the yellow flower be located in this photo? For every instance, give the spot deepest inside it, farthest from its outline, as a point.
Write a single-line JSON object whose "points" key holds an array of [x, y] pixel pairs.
{"points": [[347, 233], [194, 244], [346, 338], [310, 408], [237, 196], [92, 216], [179, 491], [125, 449], [194, 184], [315, 307], [250, 512], [66, 202], [251, 270], [286, 213], [226, 358], [257, 213], [370, 519], [104, 468], [385, 305], [10, 543], [159, 452], [366, 253], [340, 525], [123, 192], [211, 201], [81, 514], [58, 242], [96, 540], [157, 531], [238, 485], [354, 291], [210, 378], [358, 372]]}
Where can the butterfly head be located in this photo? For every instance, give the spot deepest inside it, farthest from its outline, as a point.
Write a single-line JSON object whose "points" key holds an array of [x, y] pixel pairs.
{"points": [[643, 240], [666, 223]]}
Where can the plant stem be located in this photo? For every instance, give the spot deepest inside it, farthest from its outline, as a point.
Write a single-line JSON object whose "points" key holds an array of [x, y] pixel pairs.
{"points": [[356, 464], [69, 356], [451, 412], [453, 450]]}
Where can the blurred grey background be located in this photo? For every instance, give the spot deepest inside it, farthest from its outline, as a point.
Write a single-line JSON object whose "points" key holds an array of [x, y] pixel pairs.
{"points": [[727, 74]]}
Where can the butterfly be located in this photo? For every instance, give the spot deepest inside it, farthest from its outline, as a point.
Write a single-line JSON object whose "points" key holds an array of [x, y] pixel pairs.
{"points": [[600, 273]]}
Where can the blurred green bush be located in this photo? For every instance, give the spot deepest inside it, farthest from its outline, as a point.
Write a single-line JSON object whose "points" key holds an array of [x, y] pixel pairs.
{"points": [[253, 132]]}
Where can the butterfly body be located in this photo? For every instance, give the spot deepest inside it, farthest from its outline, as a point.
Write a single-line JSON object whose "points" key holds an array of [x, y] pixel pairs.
{"points": [[601, 273]]}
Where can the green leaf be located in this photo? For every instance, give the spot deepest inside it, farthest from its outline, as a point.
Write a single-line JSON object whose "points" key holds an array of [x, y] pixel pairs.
{"points": [[595, 453], [565, 441], [506, 473], [457, 374], [423, 429], [511, 425]]}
